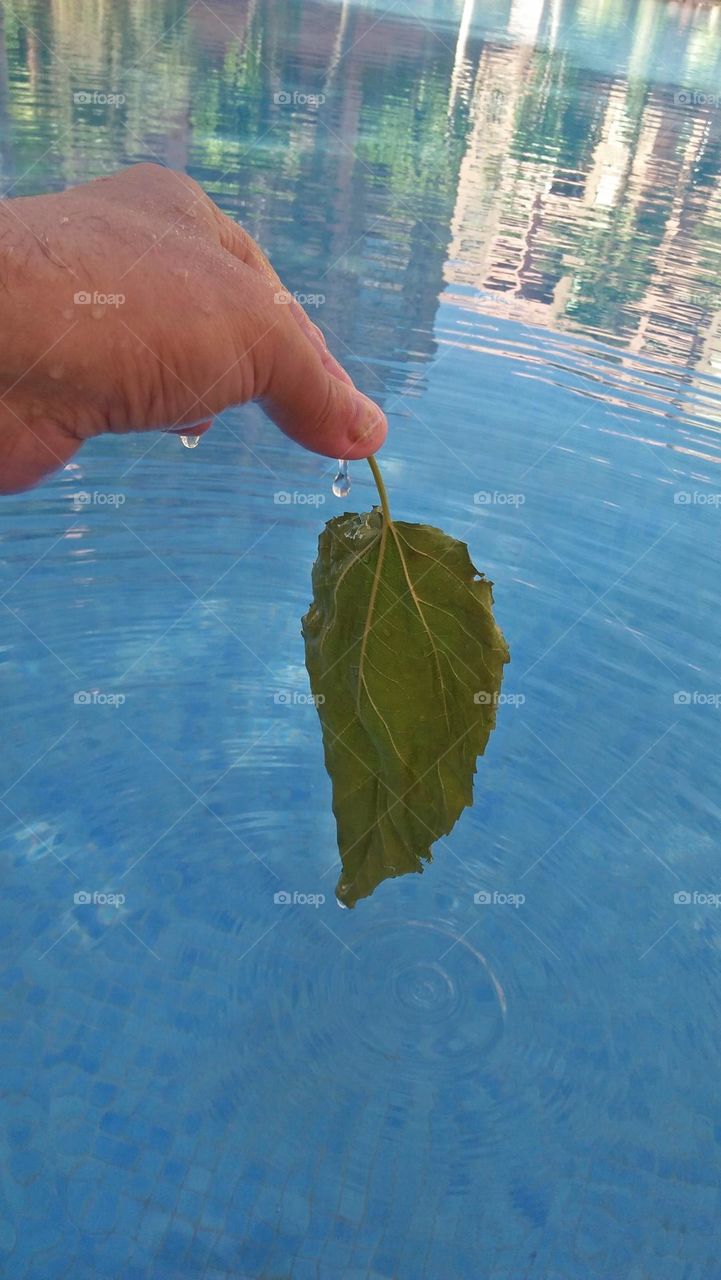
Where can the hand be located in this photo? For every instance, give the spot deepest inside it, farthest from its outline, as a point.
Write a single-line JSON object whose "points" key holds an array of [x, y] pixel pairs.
{"points": [[201, 327]]}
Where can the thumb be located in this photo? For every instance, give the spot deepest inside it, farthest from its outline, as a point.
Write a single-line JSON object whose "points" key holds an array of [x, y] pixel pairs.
{"points": [[30, 453], [310, 396]]}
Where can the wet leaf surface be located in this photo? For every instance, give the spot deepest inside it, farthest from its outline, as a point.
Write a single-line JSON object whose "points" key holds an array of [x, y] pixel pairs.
{"points": [[405, 662]]}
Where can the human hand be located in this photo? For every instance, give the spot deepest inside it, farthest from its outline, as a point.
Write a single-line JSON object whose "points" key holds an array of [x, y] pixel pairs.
{"points": [[200, 328]]}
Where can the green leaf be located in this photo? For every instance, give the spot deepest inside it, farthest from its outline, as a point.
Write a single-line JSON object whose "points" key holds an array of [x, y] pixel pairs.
{"points": [[405, 662]]}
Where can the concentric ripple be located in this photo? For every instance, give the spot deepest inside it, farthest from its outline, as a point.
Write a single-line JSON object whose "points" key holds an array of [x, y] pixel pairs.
{"points": [[409, 995], [421, 996]]}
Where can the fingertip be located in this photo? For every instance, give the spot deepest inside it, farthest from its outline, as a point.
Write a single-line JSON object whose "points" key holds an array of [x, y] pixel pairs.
{"points": [[367, 434], [312, 398], [198, 429]]}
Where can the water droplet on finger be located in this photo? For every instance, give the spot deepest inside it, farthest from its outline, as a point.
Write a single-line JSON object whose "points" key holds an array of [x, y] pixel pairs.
{"points": [[190, 442]]}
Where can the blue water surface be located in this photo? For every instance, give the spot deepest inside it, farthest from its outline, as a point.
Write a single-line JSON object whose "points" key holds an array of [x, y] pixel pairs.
{"points": [[508, 220]]}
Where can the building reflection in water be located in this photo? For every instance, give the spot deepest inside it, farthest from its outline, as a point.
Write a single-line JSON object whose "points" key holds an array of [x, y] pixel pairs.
{"points": [[412, 163]]}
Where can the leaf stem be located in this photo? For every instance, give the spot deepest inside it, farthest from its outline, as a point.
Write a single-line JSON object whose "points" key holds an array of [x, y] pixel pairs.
{"points": [[380, 486]]}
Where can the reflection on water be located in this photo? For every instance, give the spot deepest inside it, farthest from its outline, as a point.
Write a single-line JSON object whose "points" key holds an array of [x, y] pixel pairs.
{"points": [[566, 195], [505, 216]]}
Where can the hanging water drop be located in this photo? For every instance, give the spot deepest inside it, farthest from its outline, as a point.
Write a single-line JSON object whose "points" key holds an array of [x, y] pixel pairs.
{"points": [[190, 442], [341, 484]]}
